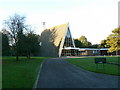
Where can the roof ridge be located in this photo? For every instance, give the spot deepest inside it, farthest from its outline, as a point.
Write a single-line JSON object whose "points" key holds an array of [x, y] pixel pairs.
{"points": [[59, 25]]}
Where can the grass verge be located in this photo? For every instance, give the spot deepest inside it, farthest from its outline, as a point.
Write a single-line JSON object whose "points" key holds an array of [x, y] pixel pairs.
{"points": [[87, 63], [20, 74]]}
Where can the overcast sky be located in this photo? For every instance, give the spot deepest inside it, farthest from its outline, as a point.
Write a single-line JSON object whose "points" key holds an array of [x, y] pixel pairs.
{"points": [[94, 19]]}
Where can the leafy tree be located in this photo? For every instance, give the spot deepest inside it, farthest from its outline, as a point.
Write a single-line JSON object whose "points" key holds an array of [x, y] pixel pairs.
{"points": [[14, 25], [103, 44], [84, 41], [88, 44], [114, 40], [21, 43], [31, 45], [5, 44], [95, 46], [78, 43]]}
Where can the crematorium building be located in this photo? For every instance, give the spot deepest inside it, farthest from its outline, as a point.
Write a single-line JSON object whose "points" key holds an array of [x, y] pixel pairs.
{"points": [[57, 41]]}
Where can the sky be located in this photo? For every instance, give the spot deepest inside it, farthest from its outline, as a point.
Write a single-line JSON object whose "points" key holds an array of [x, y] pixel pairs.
{"points": [[94, 19]]}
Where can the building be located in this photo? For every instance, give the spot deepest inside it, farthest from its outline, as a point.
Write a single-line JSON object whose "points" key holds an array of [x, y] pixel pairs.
{"points": [[57, 41], [94, 51]]}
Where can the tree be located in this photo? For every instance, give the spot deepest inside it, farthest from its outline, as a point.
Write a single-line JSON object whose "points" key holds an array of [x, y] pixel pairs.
{"points": [[95, 46], [88, 44], [114, 40], [5, 44], [103, 44], [21, 43], [84, 41], [31, 45], [14, 25], [78, 43]]}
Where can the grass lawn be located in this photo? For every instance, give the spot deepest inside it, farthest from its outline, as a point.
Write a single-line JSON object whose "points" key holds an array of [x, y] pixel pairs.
{"points": [[20, 74], [87, 63]]}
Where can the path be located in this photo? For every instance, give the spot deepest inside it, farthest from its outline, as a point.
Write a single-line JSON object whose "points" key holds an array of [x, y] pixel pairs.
{"points": [[58, 73]]}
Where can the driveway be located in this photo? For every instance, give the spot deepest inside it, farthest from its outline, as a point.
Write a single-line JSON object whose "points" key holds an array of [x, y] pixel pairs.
{"points": [[58, 73]]}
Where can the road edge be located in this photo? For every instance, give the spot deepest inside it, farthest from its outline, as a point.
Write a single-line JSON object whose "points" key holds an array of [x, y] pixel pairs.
{"points": [[35, 84]]}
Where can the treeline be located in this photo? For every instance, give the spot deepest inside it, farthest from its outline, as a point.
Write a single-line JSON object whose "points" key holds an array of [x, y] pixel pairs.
{"points": [[82, 42], [112, 42], [18, 38]]}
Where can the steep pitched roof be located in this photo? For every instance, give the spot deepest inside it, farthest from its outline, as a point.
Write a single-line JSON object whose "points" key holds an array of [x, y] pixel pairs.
{"points": [[53, 39], [59, 32]]}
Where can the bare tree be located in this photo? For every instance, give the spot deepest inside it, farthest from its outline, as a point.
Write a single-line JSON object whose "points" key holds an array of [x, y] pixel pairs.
{"points": [[15, 24]]}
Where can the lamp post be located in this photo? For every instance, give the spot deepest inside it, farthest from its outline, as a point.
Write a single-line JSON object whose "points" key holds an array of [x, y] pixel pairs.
{"points": [[43, 23]]}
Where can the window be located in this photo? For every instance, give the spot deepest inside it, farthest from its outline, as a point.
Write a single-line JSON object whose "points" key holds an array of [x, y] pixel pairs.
{"points": [[40, 43], [68, 40], [68, 34]]}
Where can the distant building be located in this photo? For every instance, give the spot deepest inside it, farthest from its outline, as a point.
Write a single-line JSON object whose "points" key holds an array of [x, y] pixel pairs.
{"points": [[93, 51], [58, 41]]}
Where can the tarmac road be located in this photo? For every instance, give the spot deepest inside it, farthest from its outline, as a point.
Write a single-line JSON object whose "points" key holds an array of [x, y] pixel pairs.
{"points": [[58, 73]]}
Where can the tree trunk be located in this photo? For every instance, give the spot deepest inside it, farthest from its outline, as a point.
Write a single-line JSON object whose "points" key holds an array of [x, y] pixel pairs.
{"points": [[29, 56], [116, 52], [17, 57]]}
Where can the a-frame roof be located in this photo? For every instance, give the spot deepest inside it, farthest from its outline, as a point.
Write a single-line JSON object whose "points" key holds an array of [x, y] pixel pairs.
{"points": [[54, 38], [58, 32]]}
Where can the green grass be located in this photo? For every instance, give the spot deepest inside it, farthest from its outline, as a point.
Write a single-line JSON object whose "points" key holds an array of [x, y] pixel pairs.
{"points": [[87, 63], [20, 74]]}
